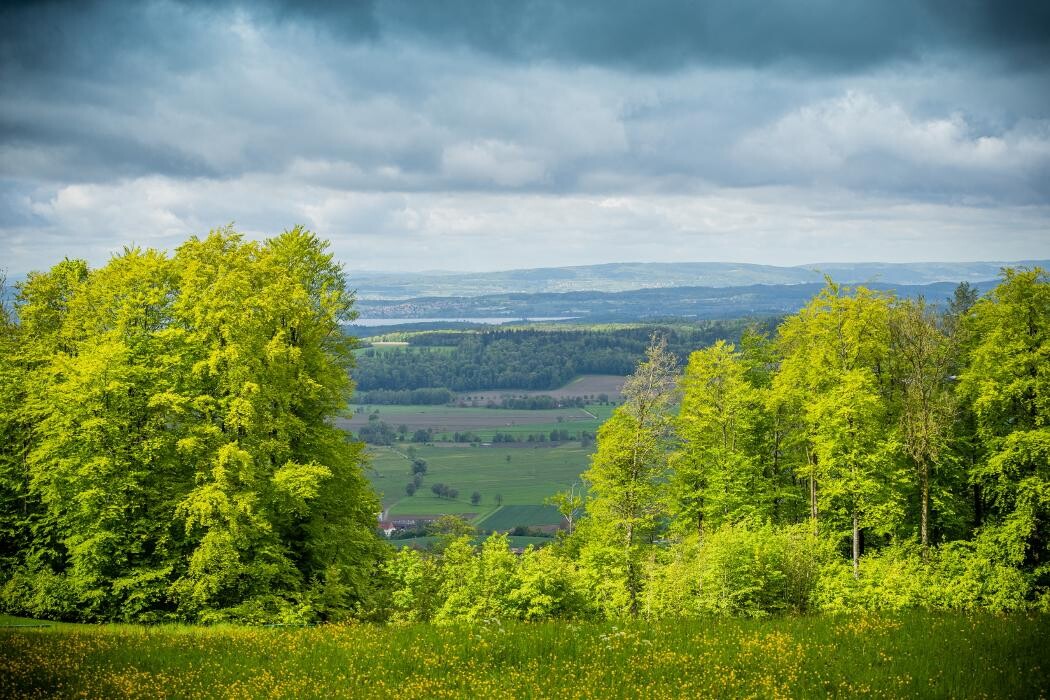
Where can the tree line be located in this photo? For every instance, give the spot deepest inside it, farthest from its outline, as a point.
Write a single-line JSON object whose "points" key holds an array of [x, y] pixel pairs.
{"points": [[521, 359]]}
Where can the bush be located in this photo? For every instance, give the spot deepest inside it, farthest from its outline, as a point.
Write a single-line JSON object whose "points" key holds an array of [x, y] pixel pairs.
{"points": [[961, 576], [738, 570]]}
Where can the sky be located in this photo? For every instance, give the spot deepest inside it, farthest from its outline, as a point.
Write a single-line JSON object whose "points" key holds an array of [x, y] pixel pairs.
{"points": [[526, 133]]}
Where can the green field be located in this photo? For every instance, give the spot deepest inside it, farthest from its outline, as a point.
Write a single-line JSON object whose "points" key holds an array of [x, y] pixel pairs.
{"points": [[515, 541], [483, 422], [523, 475], [915, 654], [508, 517]]}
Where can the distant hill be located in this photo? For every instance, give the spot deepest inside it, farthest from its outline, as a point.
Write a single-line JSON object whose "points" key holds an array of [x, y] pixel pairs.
{"points": [[640, 304], [619, 277]]}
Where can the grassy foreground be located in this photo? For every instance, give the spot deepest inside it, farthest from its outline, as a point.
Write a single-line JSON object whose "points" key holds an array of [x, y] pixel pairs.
{"points": [[911, 655]]}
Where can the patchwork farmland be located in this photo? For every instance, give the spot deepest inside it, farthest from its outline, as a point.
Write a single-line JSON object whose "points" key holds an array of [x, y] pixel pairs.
{"points": [[507, 476], [512, 480]]}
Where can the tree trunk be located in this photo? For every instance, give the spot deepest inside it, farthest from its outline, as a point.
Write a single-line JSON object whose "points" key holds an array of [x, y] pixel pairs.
{"points": [[978, 507], [813, 503], [924, 524], [856, 544], [632, 582]]}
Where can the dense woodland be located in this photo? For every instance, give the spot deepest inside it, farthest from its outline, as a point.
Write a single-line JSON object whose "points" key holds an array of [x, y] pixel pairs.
{"points": [[167, 454], [523, 358]]}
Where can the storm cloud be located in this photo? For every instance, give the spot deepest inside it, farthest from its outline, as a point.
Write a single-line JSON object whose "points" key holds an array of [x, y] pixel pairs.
{"points": [[493, 135]]}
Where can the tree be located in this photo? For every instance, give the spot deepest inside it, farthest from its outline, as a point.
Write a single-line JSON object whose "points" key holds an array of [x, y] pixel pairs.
{"points": [[183, 454], [921, 358], [451, 526], [629, 466], [717, 478], [1007, 383], [19, 508], [569, 504], [857, 469], [834, 376], [475, 498]]}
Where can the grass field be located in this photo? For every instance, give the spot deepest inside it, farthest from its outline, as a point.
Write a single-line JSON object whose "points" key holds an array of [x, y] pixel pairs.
{"points": [[521, 475], [515, 541], [485, 422], [911, 655], [584, 385], [453, 418], [508, 517]]}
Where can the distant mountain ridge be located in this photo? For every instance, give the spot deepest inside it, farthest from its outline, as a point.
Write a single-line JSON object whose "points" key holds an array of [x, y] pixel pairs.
{"points": [[621, 277], [757, 300]]}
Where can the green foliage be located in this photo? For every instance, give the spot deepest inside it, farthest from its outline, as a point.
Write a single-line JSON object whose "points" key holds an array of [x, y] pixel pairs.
{"points": [[181, 453], [168, 454], [1008, 383], [739, 570], [958, 576], [464, 582], [717, 474], [628, 471]]}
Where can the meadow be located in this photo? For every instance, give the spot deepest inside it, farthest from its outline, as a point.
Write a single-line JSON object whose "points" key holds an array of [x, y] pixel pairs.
{"points": [[510, 516], [484, 422], [523, 475], [432, 541], [915, 654]]}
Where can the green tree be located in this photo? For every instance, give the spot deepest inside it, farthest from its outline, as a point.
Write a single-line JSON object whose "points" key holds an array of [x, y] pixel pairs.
{"points": [[717, 478], [1007, 383], [921, 363], [182, 453], [569, 504], [834, 375], [628, 470]]}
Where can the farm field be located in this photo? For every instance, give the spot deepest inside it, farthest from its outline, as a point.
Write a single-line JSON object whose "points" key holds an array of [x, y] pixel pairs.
{"points": [[909, 655], [484, 422], [514, 540], [473, 419], [521, 475], [587, 385], [508, 517]]}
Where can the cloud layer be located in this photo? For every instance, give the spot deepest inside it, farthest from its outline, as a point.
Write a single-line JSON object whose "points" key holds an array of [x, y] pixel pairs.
{"points": [[496, 135]]}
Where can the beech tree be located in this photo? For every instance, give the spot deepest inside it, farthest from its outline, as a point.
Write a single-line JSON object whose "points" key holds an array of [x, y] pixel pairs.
{"points": [[921, 361], [835, 373], [628, 468], [181, 450], [1008, 384], [717, 477]]}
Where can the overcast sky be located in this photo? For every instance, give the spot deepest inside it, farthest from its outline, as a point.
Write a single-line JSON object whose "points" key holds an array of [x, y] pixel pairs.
{"points": [[494, 135]]}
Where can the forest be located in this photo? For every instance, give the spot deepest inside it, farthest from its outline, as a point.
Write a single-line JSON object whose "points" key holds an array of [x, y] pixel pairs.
{"points": [[523, 358], [168, 455]]}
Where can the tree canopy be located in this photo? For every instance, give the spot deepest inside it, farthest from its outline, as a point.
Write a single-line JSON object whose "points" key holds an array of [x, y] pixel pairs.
{"points": [[170, 443]]}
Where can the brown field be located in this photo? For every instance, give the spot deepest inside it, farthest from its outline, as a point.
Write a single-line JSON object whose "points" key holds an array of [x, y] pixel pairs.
{"points": [[587, 385]]}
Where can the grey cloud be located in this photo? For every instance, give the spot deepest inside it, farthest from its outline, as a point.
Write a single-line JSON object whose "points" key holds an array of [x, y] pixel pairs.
{"points": [[663, 34], [442, 125]]}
